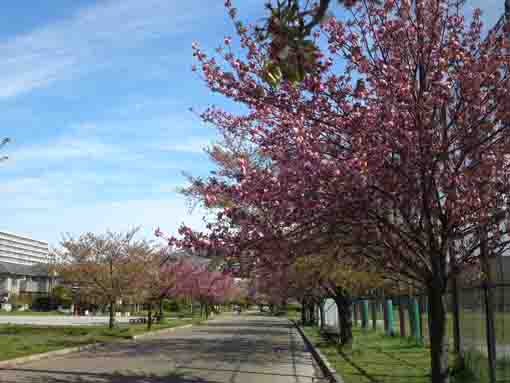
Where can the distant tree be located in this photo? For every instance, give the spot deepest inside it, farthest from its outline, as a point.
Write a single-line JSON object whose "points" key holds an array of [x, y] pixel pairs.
{"points": [[61, 295], [103, 266], [159, 279], [334, 276], [208, 287]]}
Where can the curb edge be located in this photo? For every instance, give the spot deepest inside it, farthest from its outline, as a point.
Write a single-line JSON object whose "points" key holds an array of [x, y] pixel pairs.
{"points": [[46, 355], [159, 332], [321, 360]]}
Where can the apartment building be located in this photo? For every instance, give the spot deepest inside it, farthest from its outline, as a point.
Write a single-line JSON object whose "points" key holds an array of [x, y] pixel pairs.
{"points": [[24, 266], [22, 250]]}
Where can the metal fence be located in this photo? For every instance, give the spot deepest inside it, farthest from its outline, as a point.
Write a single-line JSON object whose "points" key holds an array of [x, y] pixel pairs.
{"points": [[486, 355]]}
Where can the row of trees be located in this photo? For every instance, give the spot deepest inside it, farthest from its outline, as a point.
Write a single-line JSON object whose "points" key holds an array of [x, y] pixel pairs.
{"points": [[375, 142], [114, 268]]}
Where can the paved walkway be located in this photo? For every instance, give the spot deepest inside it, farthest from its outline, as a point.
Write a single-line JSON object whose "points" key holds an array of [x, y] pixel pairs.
{"points": [[245, 349], [60, 320]]}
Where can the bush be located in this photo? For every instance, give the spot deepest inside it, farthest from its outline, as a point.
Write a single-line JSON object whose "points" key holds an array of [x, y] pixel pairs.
{"points": [[171, 305], [61, 296], [43, 303], [19, 300]]}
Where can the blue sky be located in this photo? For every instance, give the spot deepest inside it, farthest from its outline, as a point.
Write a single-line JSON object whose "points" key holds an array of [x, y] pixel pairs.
{"points": [[95, 96]]}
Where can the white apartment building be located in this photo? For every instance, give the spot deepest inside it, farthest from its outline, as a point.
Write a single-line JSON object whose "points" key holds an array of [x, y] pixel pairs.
{"points": [[24, 266], [22, 250]]}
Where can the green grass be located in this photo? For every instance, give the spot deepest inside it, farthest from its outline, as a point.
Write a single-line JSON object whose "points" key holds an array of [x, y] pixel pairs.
{"points": [[473, 333], [375, 357], [472, 325], [171, 314], [293, 312], [21, 340]]}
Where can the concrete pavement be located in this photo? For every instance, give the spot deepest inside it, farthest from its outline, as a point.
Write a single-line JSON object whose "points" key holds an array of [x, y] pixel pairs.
{"points": [[65, 320], [245, 349], [59, 320]]}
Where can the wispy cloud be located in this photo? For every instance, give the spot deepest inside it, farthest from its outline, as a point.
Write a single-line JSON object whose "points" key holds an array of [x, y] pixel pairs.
{"points": [[148, 214], [64, 149], [85, 41], [189, 145]]}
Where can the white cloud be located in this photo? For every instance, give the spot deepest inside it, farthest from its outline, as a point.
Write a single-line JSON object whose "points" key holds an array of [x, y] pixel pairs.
{"points": [[86, 40], [64, 149], [148, 214], [19, 185], [48, 191], [50, 204], [189, 145]]}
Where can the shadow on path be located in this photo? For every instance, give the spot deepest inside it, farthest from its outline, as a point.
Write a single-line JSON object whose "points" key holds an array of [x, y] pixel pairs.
{"points": [[236, 351], [51, 376]]}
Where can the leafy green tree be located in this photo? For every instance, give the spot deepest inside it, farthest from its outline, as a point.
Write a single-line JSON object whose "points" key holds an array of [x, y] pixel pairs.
{"points": [[61, 295]]}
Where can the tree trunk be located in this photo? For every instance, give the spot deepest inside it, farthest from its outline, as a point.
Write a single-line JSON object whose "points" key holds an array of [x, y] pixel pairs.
{"points": [[344, 306], [161, 311], [490, 327], [311, 307], [457, 338], [149, 317], [112, 315], [346, 336], [402, 317], [303, 313], [322, 314], [437, 333], [375, 309]]}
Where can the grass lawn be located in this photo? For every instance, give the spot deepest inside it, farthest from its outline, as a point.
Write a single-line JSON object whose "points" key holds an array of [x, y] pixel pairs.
{"points": [[378, 358], [22, 340], [472, 327], [171, 314]]}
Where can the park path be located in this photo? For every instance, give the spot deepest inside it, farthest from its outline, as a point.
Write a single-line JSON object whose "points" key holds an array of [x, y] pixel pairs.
{"points": [[60, 320], [234, 349]]}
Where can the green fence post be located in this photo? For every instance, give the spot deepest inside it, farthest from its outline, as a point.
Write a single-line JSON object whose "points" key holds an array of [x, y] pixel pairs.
{"points": [[364, 314], [389, 312]]}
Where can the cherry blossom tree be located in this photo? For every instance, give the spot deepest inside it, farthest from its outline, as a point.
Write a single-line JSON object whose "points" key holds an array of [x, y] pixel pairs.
{"points": [[395, 137], [271, 287], [211, 287], [104, 267], [160, 277]]}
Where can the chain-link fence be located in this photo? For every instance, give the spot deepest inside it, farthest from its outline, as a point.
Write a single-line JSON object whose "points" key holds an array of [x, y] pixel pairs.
{"points": [[478, 324]]}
